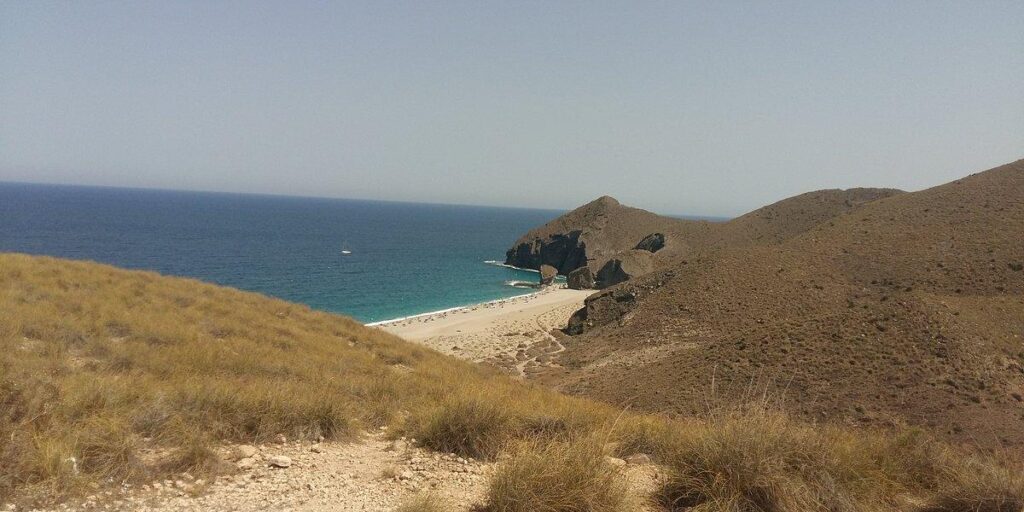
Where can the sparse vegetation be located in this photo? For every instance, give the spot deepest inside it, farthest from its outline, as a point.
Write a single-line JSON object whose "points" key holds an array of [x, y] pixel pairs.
{"points": [[558, 477], [755, 459], [424, 502], [110, 376]]}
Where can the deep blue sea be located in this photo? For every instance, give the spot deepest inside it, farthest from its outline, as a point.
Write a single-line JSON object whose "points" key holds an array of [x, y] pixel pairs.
{"points": [[406, 258]]}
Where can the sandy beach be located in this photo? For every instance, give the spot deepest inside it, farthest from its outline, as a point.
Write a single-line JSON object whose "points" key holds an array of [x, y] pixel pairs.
{"points": [[513, 334]]}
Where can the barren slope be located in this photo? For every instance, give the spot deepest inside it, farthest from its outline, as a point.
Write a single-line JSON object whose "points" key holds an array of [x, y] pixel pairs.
{"points": [[618, 242], [908, 309]]}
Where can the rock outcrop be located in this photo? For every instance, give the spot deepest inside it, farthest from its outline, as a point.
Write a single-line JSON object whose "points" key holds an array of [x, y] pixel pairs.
{"points": [[581, 279], [563, 251], [547, 275], [653, 242], [592, 234], [624, 266], [600, 309]]}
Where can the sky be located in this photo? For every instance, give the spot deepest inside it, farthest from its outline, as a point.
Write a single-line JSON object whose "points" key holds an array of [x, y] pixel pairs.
{"points": [[705, 108]]}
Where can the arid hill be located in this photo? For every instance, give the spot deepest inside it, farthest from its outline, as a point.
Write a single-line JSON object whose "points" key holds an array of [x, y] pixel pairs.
{"points": [[906, 309], [617, 243], [600, 231]]}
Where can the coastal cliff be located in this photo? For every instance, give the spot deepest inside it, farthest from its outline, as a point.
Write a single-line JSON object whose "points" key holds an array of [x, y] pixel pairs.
{"points": [[615, 242]]}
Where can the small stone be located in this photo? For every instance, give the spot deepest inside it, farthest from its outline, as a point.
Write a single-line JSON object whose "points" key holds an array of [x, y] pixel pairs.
{"points": [[406, 475], [245, 451], [246, 463], [280, 439], [279, 461], [316, 449], [639, 458], [614, 461]]}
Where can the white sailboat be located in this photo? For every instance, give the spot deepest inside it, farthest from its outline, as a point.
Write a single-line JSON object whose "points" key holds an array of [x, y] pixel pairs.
{"points": [[344, 249]]}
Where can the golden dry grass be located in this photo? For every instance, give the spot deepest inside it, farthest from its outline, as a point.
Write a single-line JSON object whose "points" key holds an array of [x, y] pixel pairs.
{"points": [[423, 502], [756, 459], [557, 476], [109, 376]]}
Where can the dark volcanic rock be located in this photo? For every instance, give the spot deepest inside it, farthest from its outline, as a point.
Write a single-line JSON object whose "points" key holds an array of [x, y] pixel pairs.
{"points": [[581, 279], [623, 267], [547, 274], [599, 309], [564, 251], [653, 242], [589, 236]]}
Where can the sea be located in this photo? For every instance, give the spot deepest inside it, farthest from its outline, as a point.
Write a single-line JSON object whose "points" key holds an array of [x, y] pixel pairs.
{"points": [[405, 258]]}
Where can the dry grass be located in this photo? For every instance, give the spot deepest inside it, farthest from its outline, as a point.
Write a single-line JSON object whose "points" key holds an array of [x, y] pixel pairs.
{"points": [[760, 460], [100, 368], [110, 376], [558, 477], [424, 502]]}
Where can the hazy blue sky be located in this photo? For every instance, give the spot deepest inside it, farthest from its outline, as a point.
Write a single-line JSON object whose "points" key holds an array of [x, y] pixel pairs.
{"points": [[680, 107]]}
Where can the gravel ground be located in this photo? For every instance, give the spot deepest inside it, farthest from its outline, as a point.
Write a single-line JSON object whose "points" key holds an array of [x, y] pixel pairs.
{"points": [[372, 474]]}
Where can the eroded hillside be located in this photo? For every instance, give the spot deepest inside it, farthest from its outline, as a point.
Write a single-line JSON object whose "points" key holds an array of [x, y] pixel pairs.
{"points": [[908, 309]]}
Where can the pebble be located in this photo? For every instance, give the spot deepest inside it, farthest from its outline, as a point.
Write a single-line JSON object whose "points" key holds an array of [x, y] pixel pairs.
{"points": [[639, 458], [280, 461], [245, 451], [615, 461]]}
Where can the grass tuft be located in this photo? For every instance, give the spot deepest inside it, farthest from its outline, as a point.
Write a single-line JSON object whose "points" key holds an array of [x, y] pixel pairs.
{"points": [[558, 476], [425, 502]]}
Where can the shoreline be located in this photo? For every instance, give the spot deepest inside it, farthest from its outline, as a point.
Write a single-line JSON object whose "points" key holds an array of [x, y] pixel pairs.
{"points": [[381, 323], [517, 334], [495, 263]]}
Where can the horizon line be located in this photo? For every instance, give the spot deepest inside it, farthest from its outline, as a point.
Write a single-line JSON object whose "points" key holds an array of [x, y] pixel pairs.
{"points": [[333, 198]]}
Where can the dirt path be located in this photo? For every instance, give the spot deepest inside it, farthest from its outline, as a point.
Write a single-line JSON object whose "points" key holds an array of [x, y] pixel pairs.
{"points": [[372, 474]]}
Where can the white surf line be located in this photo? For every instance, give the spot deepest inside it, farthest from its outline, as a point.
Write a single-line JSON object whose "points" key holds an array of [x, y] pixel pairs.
{"points": [[459, 308], [449, 310], [497, 263]]}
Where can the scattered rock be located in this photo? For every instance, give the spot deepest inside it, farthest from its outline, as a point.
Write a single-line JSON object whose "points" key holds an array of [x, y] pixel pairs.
{"points": [[638, 458], [245, 451], [614, 461], [653, 242], [547, 274], [623, 267], [246, 463], [581, 279], [279, 461]]}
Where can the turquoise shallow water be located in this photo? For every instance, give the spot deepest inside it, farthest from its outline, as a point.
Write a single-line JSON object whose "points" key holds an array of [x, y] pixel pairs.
{"points": [[406, 258]]}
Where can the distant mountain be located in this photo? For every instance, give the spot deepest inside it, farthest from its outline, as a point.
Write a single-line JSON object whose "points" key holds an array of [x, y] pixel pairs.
{"points": [[864, 306]]}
